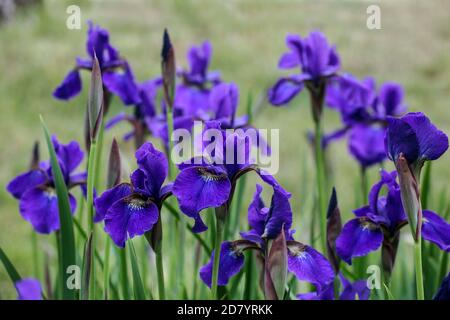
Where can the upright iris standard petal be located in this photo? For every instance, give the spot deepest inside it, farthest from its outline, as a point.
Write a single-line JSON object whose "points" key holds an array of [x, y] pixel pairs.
{"points": [[108, 198], [28, 289], [198, 187], [291, 59], [285, 89], [387, 179], [25, 181], [432, 141], [309, 265], [230, 263], [123, 85], [98, 43], [39, 206], [153, 163], [366, 144], [416, 137], [401, 139], [356, 290], [279, 215], [318, 58], [69, 87], [391, 100], [352, 98], [224, 99], [129, 217], [358, 237], [436, 230], [69, 156], [199, 58], [257, 213]]}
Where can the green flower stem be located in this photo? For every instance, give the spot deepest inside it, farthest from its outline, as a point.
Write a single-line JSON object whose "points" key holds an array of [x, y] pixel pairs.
{"points": [[418, 267], [169, 137], [320, 179], [364, 185], [220, 223], [98, 157], [106, 269], [36, 260], [160, 274], [90, 184], [90, 209]]}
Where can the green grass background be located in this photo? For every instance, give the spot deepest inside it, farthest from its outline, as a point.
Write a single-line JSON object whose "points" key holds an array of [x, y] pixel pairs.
{"points": [[413, 48]]}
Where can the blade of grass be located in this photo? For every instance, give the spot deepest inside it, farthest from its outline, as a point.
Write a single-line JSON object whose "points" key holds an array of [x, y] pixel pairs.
{"points": [[67, 252]]}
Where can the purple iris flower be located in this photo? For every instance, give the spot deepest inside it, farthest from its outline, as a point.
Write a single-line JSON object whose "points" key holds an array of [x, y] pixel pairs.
{"points": [[199, 58], [267, 223], [145, 110], [109, 60], [364, 113], [390, 100], [366, 144], [192, 95], [416, 138], [131, 209], [382, 220], [352, 98], [28, 289], [317, 60], [357, 290], [35, 189], [209, 181]]}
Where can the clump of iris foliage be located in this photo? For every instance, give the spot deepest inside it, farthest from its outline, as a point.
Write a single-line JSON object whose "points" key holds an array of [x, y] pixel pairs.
{"points": [[257, 260]]}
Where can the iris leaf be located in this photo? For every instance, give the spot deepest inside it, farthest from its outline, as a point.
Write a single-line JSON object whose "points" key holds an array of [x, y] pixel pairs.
{"points": [[10, 269], [138, 287], [202, 242], [67, 254]]}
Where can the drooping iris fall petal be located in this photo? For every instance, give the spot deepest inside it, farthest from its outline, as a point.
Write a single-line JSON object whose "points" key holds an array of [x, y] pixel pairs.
{"points": [[39, 206], [129, 217], [309, 265], [436, 230], [358, 237], [197, 188], [230, 263]]}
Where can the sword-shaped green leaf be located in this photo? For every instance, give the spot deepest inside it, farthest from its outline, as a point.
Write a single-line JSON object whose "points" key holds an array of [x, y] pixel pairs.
{"points": [[67, 255]]}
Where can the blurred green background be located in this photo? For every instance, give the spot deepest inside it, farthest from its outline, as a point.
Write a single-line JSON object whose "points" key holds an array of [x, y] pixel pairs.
{"points": [[412, 48]]}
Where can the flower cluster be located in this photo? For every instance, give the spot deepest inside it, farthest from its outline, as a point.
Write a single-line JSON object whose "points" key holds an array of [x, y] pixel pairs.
{"points": [[372, 119]]}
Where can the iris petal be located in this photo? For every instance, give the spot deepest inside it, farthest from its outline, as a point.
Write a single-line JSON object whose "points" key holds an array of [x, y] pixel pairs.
{"points": [[130, 217], [39, 206], [358, 237], [69, 87], [107, 199], [28, 289], [25, 181], [435, 229], [309, 265], [153, 163], [284, 90], [230, 263], [197, 188]]}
